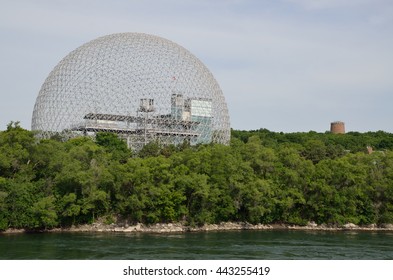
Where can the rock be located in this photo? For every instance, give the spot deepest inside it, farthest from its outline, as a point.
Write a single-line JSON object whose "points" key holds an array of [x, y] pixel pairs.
{"points": [[387, 226], [350, 226], [14, 230], [312, 224], [371, 226]]}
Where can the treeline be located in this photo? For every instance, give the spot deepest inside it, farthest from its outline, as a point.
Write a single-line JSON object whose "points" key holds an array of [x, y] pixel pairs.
{"points": [[262, 177]]}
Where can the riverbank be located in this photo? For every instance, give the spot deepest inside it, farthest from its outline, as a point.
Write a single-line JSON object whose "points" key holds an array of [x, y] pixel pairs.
{"points": [[227, 226]]}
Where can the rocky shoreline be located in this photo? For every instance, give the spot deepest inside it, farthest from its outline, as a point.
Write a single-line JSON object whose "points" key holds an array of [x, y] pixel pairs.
{"points": [[227, 226]]}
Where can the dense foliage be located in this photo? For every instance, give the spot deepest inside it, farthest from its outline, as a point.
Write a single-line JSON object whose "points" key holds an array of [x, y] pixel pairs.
{"points": [[262, 177]]}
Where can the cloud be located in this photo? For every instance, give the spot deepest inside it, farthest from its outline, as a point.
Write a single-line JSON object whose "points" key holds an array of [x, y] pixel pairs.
{"points": [[280, 58], [333, 4]]}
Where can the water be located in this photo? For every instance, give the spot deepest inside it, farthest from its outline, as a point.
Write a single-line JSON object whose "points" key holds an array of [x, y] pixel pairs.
{"points": [[267, 245]]}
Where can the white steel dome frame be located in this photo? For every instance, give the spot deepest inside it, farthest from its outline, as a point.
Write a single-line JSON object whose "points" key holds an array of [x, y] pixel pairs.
{"points": [[142, 87]]}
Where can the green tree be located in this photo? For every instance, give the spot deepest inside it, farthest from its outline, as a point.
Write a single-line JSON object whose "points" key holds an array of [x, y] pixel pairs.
{"points": [[15, 147], [3, 205], [315, 150], [95, 203], [112, 144], [20, 196], [44, 213], [151, 149], [69, 207]]}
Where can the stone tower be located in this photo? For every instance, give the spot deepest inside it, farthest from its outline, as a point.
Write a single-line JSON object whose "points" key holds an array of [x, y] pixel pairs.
{"points": [[337, 127]]}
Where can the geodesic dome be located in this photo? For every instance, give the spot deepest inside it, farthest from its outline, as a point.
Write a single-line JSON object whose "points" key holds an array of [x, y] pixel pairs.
{"points": [[139, 86]]}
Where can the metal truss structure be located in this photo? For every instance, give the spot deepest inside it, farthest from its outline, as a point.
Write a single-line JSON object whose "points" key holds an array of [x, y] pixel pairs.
{"points": [[142, 87]]}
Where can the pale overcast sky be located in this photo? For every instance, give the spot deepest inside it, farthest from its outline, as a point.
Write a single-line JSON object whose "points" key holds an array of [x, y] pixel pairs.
{"points": [[284, 65]]}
